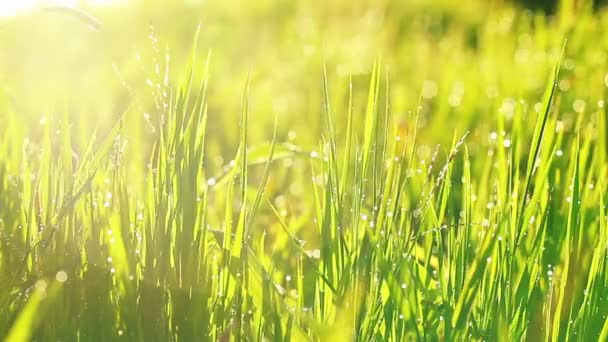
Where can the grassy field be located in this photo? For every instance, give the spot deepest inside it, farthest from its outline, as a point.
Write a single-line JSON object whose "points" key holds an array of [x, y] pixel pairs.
{"points": [[304, 170]]}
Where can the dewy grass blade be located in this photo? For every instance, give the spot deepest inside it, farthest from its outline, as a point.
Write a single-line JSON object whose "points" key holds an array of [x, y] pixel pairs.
{"points": [[371, 120], [241, 230], [536, 142], [35, 310], [572, 226]]}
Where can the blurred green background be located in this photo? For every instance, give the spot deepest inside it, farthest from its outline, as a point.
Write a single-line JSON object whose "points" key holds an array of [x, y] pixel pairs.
{"points": [[51, 61]]}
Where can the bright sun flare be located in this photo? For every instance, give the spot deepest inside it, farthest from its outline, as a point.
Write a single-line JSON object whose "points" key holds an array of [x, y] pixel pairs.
{"points": [[9, 8]]}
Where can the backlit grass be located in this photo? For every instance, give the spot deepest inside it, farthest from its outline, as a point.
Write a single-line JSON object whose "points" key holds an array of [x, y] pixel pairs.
{"points": [[310, 170]]}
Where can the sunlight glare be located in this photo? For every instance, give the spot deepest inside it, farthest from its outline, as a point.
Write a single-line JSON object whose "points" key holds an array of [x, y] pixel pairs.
{"points": [[10, 8]]}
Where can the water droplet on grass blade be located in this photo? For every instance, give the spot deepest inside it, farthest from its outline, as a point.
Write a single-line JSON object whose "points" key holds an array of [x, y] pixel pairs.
{"points": [[579, 106], [61, 276]]}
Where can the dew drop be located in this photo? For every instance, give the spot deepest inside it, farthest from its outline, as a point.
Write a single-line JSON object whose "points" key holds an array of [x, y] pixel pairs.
{"points": [[61, 276]]}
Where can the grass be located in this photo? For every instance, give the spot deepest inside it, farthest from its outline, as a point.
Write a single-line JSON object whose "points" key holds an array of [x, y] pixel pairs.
{"points": [[407, 172]]}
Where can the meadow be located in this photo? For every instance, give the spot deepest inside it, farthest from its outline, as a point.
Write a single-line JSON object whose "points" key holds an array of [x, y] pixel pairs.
{"points": [[375, 170]]}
